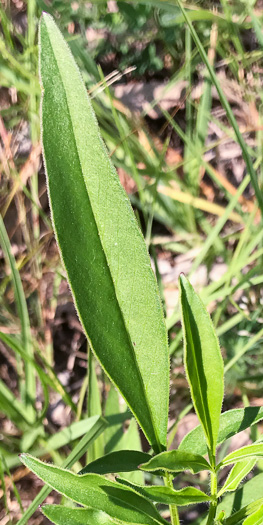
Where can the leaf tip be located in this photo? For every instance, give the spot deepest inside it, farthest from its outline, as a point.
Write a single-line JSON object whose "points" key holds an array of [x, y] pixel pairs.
{"points": [[183, 281], [45, 19]]}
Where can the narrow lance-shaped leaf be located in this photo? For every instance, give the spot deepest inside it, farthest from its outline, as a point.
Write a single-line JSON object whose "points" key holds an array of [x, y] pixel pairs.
{"points": [[236, 475], [231, 423], [103, 250], [203, 362], [92, 490], [77, 452], [119, 461], [239, 502], [251, 451], [167, 495], [176, 461]]}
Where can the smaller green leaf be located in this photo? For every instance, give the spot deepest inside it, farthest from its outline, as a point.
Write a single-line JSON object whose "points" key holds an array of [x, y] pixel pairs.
{"points": [[231, 423], [120, 461], [256, 518], [237, 474], [240, 501], [92, 490], [176, 461], [251, 451], [244, 512], [168, 496], [66, 516], [203, 362]]}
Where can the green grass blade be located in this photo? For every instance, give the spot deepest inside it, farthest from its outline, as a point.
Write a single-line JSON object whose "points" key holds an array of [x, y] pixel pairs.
{"points": [[250, 168], [12, 407], [113, 433], [102, 247], [94, 408], [47, 378], [28, 391], [253, 340]]}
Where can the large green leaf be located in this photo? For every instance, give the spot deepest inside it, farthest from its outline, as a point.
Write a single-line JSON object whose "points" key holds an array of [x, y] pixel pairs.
{"points": [[97, 492], [103, 250], [67, 516], [176, 461], [251, 451], [231, 422], [203, 362], [120, 461], [77, 452]]}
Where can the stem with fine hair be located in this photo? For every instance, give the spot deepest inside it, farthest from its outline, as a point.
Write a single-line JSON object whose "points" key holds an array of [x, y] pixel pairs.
{"points": [[213, 505], [168, 481]]}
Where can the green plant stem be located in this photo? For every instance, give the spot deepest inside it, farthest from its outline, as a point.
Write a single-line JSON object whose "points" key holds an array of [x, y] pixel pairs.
{"points": [[213, 505], [168, 481]]}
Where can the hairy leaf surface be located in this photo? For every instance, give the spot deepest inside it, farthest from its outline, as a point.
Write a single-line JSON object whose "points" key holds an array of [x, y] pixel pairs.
{"points": [[97, 492], [236, 475], [231, 422], [251, 451], [102, 248], [67, 516], [176, 461], [168, 496]]}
